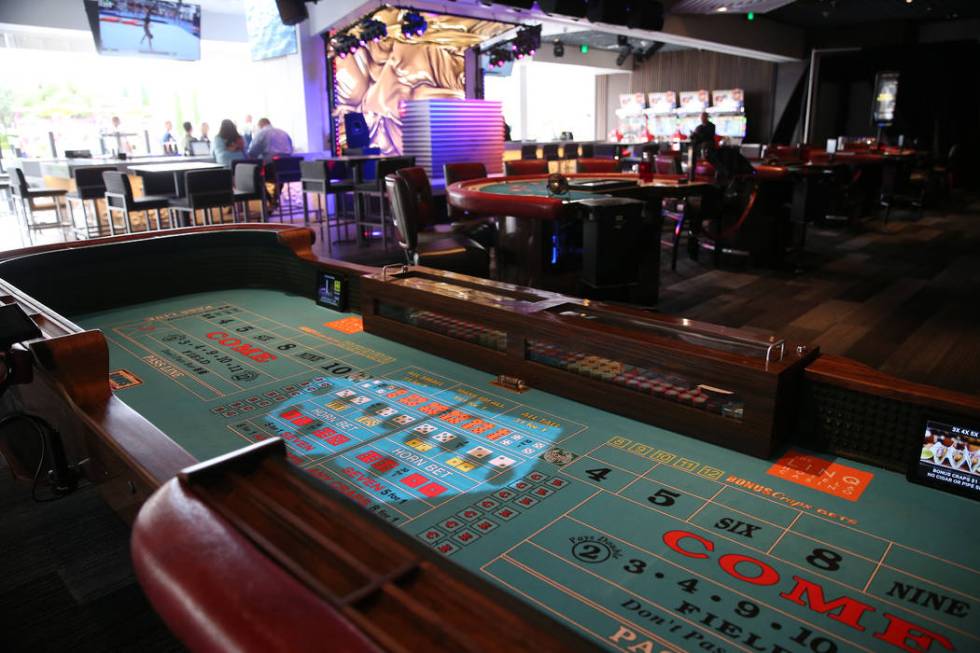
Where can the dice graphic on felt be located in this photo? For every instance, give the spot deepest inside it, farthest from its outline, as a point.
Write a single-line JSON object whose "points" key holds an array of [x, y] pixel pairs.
{"points": [[404, 419], [443, 437], [360, 400], [346, 393], [479, 452], [387, 412], [502, 462], [424, 428], [431, 490], [414, 480]]}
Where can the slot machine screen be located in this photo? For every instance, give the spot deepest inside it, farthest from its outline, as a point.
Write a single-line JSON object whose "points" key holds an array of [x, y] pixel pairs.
{"points": [[949, 457]]}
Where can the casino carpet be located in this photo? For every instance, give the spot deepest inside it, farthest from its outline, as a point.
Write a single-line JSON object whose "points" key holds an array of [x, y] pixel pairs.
{"points": [[66, 581]]}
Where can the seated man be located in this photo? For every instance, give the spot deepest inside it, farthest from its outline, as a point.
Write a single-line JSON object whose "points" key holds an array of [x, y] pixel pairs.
{"points": [[267, 143]]}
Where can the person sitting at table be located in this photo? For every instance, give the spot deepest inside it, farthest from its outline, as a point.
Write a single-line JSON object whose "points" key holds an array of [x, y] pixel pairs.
{"points": [[204, 133], [187, 138], [268, 143], [228, 144]]}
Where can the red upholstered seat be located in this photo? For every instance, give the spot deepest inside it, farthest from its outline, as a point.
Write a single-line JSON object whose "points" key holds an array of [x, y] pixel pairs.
{"points": [[189, 561], [528, 167], [596, 165]]}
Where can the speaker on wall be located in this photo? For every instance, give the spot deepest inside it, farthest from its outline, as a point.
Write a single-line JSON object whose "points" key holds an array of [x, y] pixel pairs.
{"points": [[292, 12], [572, 8], [357, 130]]}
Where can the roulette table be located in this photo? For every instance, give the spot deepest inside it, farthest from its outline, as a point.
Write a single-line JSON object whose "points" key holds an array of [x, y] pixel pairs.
{"points": [[583, 493]]}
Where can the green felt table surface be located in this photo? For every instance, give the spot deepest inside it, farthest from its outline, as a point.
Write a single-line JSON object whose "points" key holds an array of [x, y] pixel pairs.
{"points": [[641, 538], [535, 188]]}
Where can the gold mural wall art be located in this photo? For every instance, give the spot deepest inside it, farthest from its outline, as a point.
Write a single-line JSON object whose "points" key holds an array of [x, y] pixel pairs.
{"points": [[381, 75]]}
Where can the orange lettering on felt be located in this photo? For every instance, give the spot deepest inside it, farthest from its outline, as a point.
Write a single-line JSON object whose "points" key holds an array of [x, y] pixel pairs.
{"points": [[822, 475], [352, 324]]}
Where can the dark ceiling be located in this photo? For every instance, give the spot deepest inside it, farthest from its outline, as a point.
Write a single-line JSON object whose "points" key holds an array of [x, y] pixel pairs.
{"points": [[815, 14]]}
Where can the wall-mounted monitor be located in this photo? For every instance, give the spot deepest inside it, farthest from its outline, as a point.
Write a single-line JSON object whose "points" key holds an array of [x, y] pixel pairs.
{"points": [[949, 457], [886, 96], [157, 28]]}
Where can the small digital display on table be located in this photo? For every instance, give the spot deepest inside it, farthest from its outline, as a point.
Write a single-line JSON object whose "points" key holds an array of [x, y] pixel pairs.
{"points": [[949, 458], [331, 291]]}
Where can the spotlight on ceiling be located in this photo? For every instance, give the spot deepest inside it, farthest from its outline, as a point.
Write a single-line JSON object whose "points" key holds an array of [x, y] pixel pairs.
{"points": [[622, 40], [413, 24], [500, 56], [372, 30], [345, 44], [559, 49], [527, 42]]}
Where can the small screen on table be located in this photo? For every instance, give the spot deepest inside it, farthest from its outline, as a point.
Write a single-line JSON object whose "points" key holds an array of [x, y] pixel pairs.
{"points": [[331, 291], [949, 457]]}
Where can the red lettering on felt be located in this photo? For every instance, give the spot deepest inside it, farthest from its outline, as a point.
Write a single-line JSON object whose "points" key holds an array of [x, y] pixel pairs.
{"points": [[369, 457], [290, 414], [385, 465], [325, 432], [673, 539], [844, 609], [249, 351], [909, 637], [414, 480], [767, 575]]}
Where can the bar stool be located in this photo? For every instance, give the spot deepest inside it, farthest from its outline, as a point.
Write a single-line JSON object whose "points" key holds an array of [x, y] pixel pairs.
{"points": [[376, 188], [204, 190], [89, 185], [586, 151], [119, 198], [569, 151], [549, 152], [325, 177], [26, 196], [482, 229], [249, 186], [282, 171], [529, 151]]}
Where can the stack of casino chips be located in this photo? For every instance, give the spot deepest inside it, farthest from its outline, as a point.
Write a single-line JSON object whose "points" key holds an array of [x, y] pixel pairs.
{"points": [[643, 380], [459, 329]]}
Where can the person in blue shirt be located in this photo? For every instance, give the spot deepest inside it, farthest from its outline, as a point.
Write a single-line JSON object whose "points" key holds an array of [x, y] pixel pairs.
{"points": [[228, 144], [169, 141], [268, 143]]}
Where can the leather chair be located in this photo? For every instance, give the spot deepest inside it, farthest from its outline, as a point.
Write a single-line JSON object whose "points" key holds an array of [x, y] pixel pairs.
{"points": [[249, 187], [89, 186], [119, 199], [482, 229], [377, 188], [325, 177], [549, 151], [596, 165], [411, 206], [518, 168], [204, 190], [569, 151], [26, 197], [586, 151]]}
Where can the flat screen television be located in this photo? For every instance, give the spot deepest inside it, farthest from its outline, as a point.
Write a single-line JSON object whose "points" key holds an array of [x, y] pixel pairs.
{"points": [[156, 28]]}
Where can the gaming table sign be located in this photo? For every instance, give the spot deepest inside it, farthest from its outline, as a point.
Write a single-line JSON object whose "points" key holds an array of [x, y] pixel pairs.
{"points": [[949, 458]]}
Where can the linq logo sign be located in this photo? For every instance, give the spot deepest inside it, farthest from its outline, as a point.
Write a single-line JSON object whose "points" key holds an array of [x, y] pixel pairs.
{"points": [[822, 475]]}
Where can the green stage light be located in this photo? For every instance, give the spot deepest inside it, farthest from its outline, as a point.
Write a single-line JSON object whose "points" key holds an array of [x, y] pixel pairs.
{"points": [[750, 15], [584, 48]]}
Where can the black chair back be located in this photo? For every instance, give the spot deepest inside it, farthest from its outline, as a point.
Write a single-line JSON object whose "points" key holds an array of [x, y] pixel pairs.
{"points": [[420, 189], [549, 151], [314, 171], [89, 183], [404, 212], [118, 191], [208, 188], [529, 151], [248, 177], [285, 169], [569, 151], [586, 151]]}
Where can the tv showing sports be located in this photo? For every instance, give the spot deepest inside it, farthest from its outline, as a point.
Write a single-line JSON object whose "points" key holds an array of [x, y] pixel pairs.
{"points": [[949, 458], [146, 27]]}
